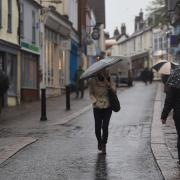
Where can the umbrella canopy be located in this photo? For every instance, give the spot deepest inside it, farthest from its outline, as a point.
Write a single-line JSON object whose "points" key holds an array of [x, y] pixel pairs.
{"points": [[164, 66], [100, 65], [174, 78]]}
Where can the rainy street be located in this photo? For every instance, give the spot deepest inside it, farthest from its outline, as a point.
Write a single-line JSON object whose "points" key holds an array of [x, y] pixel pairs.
{"points": [[69, 151]]}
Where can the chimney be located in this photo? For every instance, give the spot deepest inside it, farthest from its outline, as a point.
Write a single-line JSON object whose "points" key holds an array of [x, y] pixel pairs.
{"points": [[136, 23], [141, 15], [123, 28]]}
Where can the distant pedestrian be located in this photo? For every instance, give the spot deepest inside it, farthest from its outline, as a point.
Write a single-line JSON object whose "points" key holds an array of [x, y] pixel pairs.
{"points": [[79, 83], [98, 89], [145, 75], [4, 85], [150, 76]]}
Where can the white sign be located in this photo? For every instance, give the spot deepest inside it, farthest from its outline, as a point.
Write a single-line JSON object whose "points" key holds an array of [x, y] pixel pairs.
{"points": [[91, 50], [65, 44]]}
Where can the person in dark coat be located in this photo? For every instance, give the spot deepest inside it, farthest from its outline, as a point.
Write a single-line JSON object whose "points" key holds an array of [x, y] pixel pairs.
{"points": [[172, 101], [79, 82], [164, 78], [145, 75], [151, 76], [4, 85]]}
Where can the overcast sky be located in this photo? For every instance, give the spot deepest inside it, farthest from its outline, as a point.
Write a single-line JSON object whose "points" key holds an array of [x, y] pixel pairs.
{"points": [[123, 11]]}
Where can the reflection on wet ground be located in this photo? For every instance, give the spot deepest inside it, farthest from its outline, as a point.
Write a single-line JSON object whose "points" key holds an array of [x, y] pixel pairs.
{"points": [[101, 167]]}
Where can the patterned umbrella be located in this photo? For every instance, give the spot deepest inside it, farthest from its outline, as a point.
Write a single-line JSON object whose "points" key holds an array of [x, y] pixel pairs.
{"points": [[174, 78], [164, 66], [100, 65]]}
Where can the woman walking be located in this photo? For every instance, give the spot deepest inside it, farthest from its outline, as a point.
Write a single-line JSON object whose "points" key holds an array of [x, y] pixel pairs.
{"points": [[98, 89]]}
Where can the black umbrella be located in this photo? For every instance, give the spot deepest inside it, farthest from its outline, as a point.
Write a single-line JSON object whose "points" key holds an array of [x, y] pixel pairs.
{"points": [[174, 78]]}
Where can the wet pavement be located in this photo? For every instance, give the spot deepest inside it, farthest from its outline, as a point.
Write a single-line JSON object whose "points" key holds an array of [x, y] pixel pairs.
{"points": [[69, 150]]}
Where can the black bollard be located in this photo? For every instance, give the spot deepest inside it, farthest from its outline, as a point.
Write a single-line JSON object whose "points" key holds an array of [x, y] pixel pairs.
{"points": [[67, 97], [43, 105]]}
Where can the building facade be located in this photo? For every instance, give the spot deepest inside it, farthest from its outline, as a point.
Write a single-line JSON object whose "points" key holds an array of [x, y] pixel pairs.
{"points": [[9, 49], [30, 49], [138, 46]]}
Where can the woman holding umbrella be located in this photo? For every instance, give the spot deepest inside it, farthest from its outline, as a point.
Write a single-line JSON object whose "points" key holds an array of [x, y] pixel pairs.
{"points": [[172, 101], [98, 89]]}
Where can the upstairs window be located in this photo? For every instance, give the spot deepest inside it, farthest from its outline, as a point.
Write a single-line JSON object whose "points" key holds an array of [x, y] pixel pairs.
{"points": [[33, 27], [9, 16], [22, 20]]}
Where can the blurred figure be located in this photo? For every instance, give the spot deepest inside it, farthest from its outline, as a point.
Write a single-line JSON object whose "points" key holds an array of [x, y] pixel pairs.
{"points": [[164, 78], [79, 83], [151, 76], [145, 75], [4, 85]]}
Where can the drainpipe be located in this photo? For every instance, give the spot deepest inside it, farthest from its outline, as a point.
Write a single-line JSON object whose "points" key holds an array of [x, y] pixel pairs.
{"points": [[19, 55], [19, 10]]}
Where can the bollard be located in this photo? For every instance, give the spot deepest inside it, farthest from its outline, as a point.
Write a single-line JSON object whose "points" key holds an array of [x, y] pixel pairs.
{"points": [[43, 105], [67, 97]]}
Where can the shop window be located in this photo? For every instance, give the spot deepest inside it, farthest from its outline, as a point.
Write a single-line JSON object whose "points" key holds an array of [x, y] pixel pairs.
{"points": [[12, 73], [29, 71], [49, 64]]}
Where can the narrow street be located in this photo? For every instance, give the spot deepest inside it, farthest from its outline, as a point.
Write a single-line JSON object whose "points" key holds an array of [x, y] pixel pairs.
{"points": [[69, 151]]}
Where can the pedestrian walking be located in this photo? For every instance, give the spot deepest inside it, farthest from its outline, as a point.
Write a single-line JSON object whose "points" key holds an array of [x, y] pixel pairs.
{"points": [[145, 75], [79, 82], [172, 101], [150, 76], [4, 85], [98, 90]]}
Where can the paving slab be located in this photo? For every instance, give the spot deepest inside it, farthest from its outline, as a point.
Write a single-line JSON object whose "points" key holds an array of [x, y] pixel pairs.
{"points": [[11, 145]]}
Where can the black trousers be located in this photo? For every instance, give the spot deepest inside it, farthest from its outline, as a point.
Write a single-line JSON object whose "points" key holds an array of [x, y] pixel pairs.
{"points": [[102, 118]]}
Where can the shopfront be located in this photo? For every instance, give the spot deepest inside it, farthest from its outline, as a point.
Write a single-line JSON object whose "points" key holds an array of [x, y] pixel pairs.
{"points": [[8, 64], [29, 78]]}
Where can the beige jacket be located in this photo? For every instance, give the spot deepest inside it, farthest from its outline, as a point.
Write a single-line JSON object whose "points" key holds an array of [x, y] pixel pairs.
{"points": [[98, 91]]}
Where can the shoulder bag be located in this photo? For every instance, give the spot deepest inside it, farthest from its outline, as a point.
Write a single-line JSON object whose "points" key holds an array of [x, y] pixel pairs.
{"points": [[113, 100]]}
